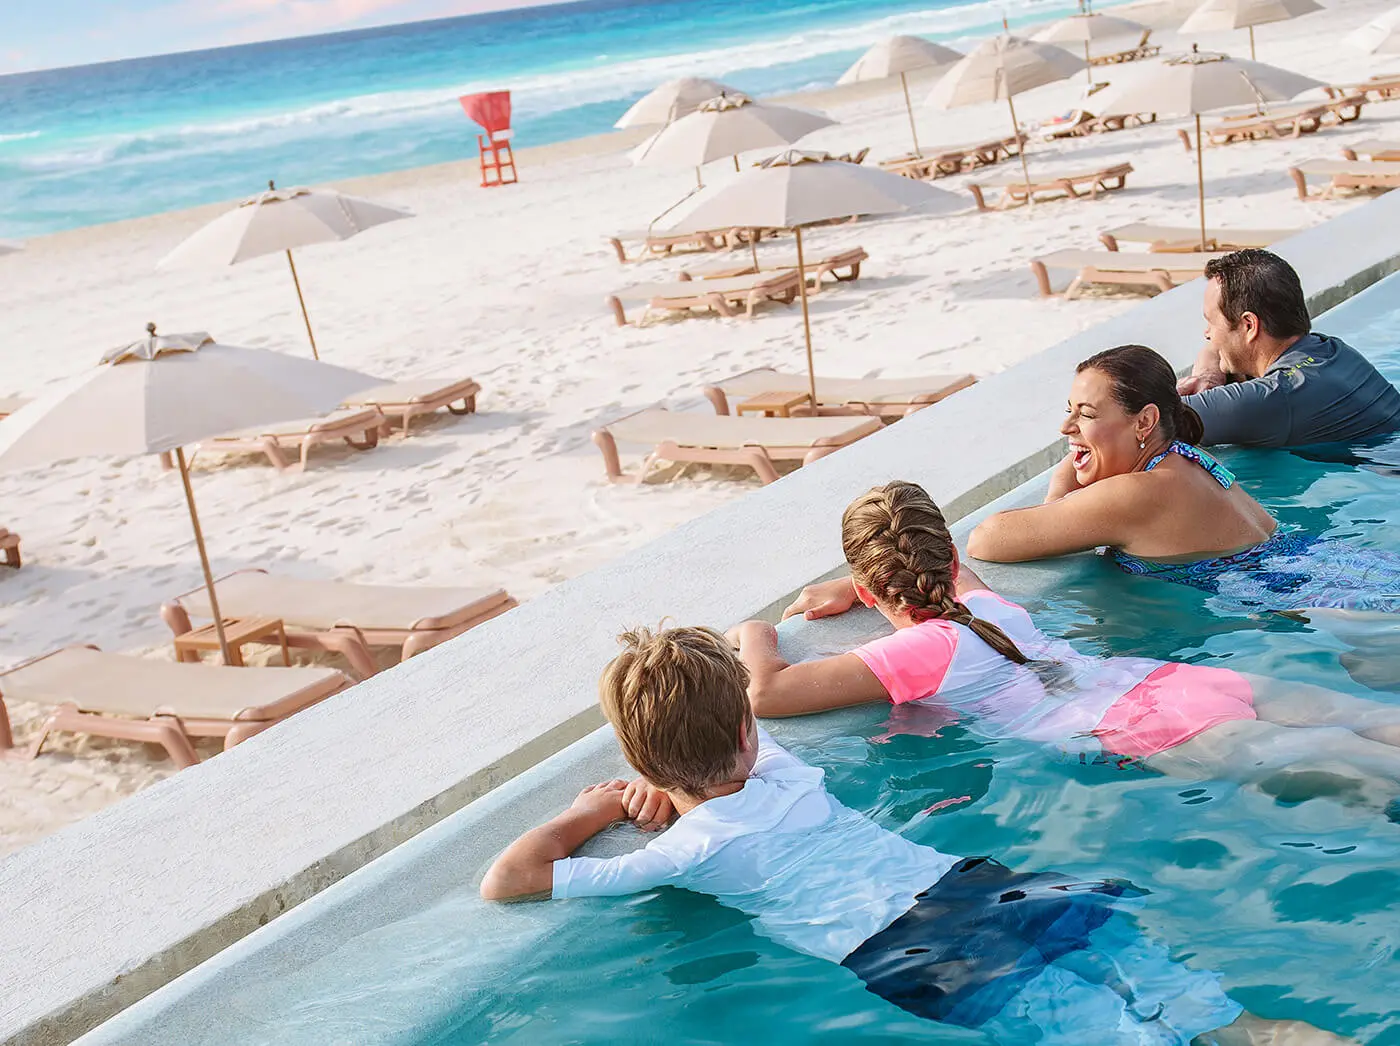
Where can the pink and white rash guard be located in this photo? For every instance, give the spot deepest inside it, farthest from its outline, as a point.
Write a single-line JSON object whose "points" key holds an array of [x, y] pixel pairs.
{"points": [[1131, 706]]}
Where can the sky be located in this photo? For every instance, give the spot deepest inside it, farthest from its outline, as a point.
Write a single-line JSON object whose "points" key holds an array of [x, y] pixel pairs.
{"points": [[41, 34]]}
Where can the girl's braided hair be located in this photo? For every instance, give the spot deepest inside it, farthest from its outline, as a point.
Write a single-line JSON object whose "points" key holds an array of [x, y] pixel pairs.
{"points": [[898, 547]]}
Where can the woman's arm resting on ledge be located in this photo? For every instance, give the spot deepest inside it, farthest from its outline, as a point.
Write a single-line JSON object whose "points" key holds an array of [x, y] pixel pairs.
{"points": [[526, 868], [1108, 512], [777, 688]]}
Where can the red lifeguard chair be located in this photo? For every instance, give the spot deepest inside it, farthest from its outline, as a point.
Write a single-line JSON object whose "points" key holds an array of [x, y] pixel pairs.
{"points": [[492, 111]]}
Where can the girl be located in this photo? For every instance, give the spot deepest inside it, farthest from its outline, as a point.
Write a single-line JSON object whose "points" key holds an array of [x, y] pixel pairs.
{"points": [[958, 646]]}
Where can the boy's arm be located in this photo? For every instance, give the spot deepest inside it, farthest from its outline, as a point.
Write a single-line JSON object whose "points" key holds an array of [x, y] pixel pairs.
{"points": [[777, 688], [526, 868]]}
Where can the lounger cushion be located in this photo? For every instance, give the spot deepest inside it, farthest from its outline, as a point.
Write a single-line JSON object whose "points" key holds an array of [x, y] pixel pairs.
{"points": [[322, 605], [724, 431], [118, 684]]}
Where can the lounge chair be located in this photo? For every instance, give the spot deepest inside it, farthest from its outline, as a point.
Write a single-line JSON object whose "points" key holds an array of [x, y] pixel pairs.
{"points": [[655, 245], [1132, 54], [1159, 272], [833, 264], [342, 617], [1082, 123], [954, 159], [1344, 174], [886, 398], [367, 423], [1379, 150], [405, 400], [1183, 238], [1383, 86], [1073, 184], [160, 702], [725, 296], [9, 546], [721, 440], [1292, 121]]}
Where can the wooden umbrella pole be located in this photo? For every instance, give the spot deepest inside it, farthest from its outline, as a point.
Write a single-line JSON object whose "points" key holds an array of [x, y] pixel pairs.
{"points": [[1251, 44], [297, 283], [1088, 69], [203, 555], [1021, 151], [909, 108], [736, 163], [806, 319], [1201, 181]]}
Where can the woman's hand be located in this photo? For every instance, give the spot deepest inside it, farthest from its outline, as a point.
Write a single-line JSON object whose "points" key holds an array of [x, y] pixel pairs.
{"points": [[647, 806], [824, 599]]}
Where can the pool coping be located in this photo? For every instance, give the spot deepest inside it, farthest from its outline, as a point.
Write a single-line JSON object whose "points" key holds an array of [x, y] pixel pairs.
{"points": [[108, 910]]}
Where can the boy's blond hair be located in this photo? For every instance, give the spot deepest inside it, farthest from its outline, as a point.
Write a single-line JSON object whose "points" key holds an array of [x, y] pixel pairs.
{"points": [[678, 700]]}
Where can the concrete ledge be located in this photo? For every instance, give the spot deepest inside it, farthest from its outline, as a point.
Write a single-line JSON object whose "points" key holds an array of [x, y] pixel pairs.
{"points": [[102, 913]]}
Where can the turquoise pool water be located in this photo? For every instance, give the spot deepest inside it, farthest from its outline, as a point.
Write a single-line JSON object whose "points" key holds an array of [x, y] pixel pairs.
{"points": [[1296, 907]]}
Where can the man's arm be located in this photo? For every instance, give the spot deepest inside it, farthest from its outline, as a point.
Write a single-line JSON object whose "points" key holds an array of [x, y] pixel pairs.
{"points": [[526, 868], [1251, 413], [1206, 373]]}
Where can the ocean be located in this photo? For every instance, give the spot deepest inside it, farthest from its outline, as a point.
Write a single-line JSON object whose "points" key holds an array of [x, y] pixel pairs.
{"points": [[91, 144]]}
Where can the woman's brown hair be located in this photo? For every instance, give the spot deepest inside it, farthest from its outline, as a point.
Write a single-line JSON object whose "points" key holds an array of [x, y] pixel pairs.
{"points": [[899, 548], [1140, 376]]}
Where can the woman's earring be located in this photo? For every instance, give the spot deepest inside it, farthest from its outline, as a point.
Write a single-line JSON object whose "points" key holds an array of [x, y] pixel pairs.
{"points": [[1142, 444]]}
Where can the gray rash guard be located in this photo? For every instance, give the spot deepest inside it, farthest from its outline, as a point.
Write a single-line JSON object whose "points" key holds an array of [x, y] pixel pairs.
{"points": [[1320, 391]]}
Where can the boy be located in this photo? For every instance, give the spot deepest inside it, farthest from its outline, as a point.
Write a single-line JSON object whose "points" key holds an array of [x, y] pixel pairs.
{"points": [[965, 941]]}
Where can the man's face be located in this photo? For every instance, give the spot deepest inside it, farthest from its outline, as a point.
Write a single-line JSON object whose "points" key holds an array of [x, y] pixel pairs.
{"points": [[1231, 344]]}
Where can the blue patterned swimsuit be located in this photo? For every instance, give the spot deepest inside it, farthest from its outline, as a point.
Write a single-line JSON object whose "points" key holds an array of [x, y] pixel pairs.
{"points": [[1289, 571]]}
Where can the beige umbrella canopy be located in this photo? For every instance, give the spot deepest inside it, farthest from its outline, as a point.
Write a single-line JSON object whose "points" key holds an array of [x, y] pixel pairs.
{"points": [[163, 393], [899, 56], [1200, 82], [1381, 35], [1083, 29], [1000, 68], [797, 188], [1219, 16], [671, 101], [1157, 14], [726, 126], [10, 246], [281, 220]]}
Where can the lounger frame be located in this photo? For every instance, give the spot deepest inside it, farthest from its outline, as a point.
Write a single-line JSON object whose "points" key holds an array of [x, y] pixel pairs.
{"points": [[369, 424], [782, 287], [1358, 178], [831, 265], [886, 410], [1072, 186], [9, 546], [463, 392]]}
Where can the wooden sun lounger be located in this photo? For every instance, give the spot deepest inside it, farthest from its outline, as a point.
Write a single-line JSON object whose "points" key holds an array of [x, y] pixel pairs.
{"points": [[720, 440], [405, 400], [832, 264], [160, 702], [725, 296], [1378, 150], [367, 423], [342, 617], [1292, 121], [1384, 86], [9, 546], [1159, 272], [1085, 123], [1074, 184], [1344, 174], [886, 398], [1182, 238], [655, 245], [955, 159], [1132, 54]]}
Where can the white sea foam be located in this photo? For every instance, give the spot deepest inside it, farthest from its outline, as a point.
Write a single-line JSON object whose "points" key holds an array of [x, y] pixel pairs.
{"points": [[19, 137]]}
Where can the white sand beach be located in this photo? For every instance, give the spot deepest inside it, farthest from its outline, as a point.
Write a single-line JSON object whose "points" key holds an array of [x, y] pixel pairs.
{"points": [[507, 286]]}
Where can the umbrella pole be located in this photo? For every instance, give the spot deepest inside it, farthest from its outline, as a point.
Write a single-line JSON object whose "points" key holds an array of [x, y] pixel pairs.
{"points": [[1251, 44], [909, 108], [806, 320], [1200, 181], [699, 184], [1088, 69], [736, 163], [203, 555], [1025, 168], [297, 283]]}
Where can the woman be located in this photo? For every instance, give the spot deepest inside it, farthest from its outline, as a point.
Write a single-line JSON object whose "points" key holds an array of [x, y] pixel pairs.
{"points": [[1134, 483]]}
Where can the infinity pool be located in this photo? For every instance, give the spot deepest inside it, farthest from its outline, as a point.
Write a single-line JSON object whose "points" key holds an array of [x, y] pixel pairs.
{"points": [[1297, 907]]}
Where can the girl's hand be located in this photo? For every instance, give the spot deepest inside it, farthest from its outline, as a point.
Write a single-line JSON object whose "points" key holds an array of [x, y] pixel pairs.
{"points": [[603, 801], [824, 599], [647, 806]]}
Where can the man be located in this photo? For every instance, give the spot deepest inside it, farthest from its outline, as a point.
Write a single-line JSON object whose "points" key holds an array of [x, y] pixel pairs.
{"points": [[1264, 379]]}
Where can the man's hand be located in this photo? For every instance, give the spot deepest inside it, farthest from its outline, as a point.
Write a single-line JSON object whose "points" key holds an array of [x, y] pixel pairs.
{"points": [[647, 806], [1194, 383], [603, 801], [825, 599]]}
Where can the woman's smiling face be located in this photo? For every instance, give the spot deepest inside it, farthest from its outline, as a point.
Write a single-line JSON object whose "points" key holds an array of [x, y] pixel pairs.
{"points": [[1103, 437]]}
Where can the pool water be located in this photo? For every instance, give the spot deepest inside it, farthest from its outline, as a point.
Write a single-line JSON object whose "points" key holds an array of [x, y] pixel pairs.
{"points": [[1295, 907]]}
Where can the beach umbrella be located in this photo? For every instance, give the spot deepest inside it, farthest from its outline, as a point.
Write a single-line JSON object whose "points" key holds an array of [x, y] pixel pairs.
{"points": [[1157, 14], [1219, 16], [1083, 29], [10, 246], [1001, 68], [281, 220], [1200, 82], [796, 189], [1381, 35], [161, 394], [726, 126], [671, 101], [899, 56]]}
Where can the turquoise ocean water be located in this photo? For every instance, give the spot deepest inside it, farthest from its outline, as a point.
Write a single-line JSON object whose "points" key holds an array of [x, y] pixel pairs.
{"points": [[97, 143]]}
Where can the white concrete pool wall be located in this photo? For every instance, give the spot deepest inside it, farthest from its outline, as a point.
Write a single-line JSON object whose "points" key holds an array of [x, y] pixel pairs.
{"points": [[106, 911]]}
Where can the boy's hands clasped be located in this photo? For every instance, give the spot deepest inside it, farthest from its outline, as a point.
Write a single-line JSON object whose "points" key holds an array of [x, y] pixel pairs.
{"points": [[639, 801]]}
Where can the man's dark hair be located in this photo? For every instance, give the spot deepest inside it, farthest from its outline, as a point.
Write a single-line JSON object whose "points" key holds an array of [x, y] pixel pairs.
{"points": [[1262, 283]]}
